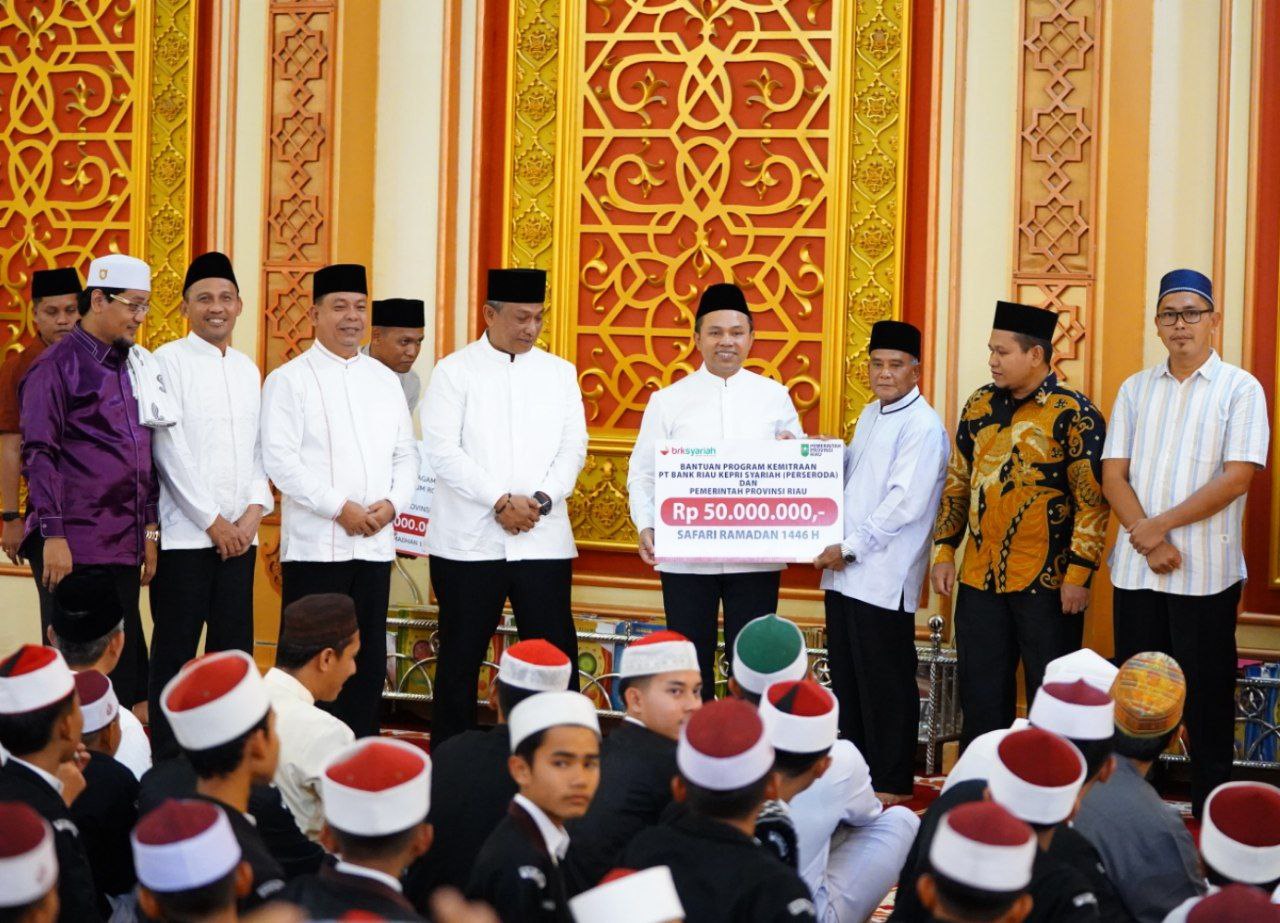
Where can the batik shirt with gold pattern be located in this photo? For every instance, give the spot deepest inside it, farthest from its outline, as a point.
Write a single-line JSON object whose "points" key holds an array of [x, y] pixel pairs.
{"points": [[1025, 482]]}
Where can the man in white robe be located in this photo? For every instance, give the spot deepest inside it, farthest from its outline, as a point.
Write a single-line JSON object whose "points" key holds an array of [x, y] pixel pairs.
{"points": [[338, 442], [213, 488], [721, 400], [894, 471], [504, 430]]}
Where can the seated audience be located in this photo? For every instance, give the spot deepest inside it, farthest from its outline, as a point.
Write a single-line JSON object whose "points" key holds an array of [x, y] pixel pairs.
{"points": [[315, 654], [555, 761], [28, 866], [87, 626], [475, 761], [979, 866], [725, 775], [40, 724], [107, 809], [375, 795], [661, 687], [1145, 847]]}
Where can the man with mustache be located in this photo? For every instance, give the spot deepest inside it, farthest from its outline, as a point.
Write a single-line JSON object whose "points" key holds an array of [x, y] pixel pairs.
{"points": [[93, 494], [213, 488], [338, 442], [54, 294], [1185, 440]]}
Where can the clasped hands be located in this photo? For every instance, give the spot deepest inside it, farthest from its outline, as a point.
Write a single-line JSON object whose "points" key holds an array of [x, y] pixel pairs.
{"points": [[233, 539], [517, 513], [365, 520], [1149, 537]]}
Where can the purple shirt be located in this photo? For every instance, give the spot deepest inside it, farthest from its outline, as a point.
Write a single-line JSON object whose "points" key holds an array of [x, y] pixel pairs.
{"points": [[86, 458]]}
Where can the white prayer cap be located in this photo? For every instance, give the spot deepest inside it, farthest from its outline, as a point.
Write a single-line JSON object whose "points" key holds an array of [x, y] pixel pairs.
{"points": [[1084, 664], [723, 746], [31, 678], [214, 699], [627, 896], [98, 702], [551, 709], [800, 716], [376, 787], [1037, 775], [28, 860], [536, 665], [1076, 710], [983, 846], [183, 845], [119, 271], [1240, 833], [660, 652]]}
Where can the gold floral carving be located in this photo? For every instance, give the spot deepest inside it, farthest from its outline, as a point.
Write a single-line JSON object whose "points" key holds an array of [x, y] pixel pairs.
{"points": [[658, 147], [875, 232], [94, 118], [169, 186], [299, 154], [1054, 259], [535, 61]]}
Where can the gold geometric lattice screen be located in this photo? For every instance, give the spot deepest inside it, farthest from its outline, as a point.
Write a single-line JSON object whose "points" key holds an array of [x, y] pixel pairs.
{"points": [[95, 110], [693, 143]]}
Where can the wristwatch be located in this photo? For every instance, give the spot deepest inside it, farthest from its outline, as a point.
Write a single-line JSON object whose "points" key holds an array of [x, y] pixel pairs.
{"points": [[850, 557], [10, 516], [152, 535], [544, 503]]}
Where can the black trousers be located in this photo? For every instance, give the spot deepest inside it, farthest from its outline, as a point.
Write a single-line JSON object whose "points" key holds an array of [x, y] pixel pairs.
{"points": [[994, 630], [1200, 633], [871, 655], [471, 595], [129, 678], [368, 583], [692, 603], [193, 590]]}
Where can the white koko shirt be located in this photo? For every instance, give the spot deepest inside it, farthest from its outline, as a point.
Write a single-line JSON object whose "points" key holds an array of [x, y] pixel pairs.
{"points": [[893, 474], [210, 461], [702, 407], [492, 424], [334, 430], [1177, 436]]}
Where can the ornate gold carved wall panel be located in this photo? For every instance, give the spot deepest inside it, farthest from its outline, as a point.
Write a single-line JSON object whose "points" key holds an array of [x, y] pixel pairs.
{"points": [[1056, 244], [299, 161], [95, 105], [658, 147]]}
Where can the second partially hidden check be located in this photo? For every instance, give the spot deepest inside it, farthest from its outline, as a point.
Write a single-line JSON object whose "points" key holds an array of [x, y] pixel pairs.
{"points": [[748, 501]]}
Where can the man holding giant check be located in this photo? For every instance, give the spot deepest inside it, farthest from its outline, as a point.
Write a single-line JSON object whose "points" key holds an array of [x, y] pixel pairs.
{"points": [[720, 401]]}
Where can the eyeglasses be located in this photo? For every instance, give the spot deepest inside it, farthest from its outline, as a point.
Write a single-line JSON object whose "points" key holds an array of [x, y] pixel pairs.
{"points": [[1190, 315], [137, 307]]}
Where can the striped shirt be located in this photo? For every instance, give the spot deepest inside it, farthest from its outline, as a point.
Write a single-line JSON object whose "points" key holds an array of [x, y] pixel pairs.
{"points": [[1177, 436]]}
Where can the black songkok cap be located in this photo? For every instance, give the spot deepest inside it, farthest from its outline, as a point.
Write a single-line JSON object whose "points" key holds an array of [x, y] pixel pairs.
{"points": [[895, 334], [399, 312], [86, 606], [519, 286], [723, 296], [340, 277], [319, 620], [48, 283], [1022, 318], [213, 265]]}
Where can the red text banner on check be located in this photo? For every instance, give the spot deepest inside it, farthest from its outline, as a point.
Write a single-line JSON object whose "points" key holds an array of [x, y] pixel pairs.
{"points": [[748, 501]]}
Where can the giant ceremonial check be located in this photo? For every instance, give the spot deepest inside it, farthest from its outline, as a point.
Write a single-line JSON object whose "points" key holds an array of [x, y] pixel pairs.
{"points": [[748, 501]]}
